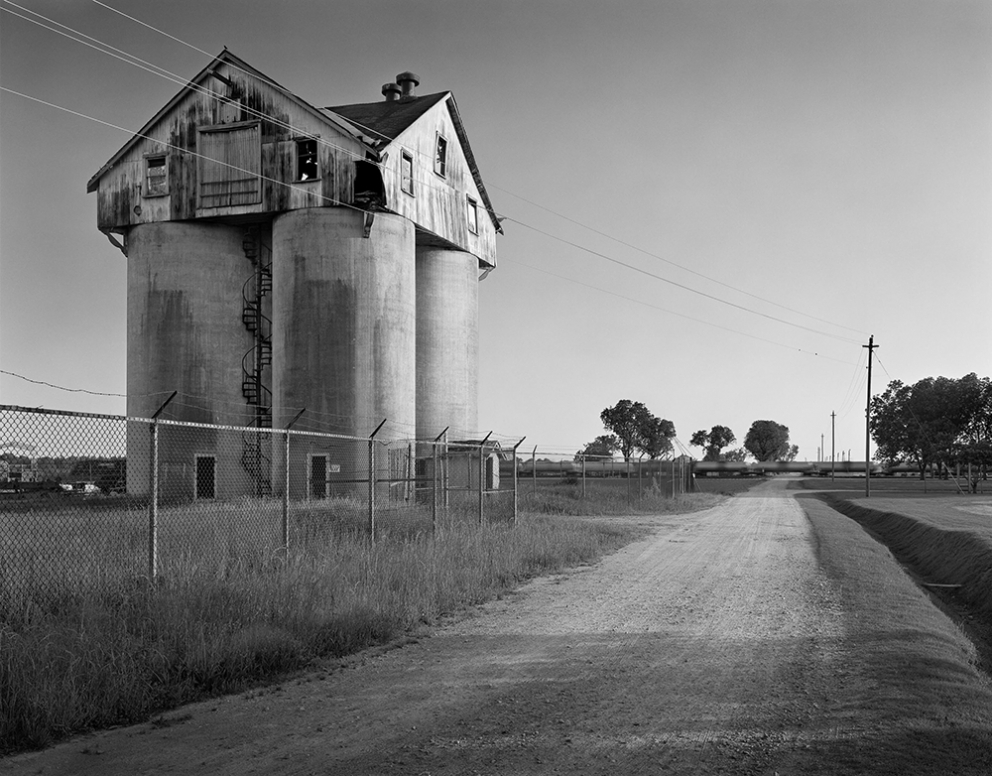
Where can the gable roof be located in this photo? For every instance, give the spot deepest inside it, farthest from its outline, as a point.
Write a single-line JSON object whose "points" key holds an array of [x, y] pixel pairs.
{"points": [[385, 120], [225, 57]]}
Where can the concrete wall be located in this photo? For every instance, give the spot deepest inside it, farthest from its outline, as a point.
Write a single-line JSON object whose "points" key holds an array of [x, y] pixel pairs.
{"points": [[447, 343], [185, 333]]}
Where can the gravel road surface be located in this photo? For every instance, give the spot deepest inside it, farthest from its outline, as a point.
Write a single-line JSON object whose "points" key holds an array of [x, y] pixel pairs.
{"points": [[716, 645]]}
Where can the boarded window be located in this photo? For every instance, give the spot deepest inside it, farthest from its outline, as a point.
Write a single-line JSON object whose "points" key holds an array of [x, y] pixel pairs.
{"points": [[230, 163], [306, 160], [441, 156], [406, 172], [473, 215], [156, 176]]}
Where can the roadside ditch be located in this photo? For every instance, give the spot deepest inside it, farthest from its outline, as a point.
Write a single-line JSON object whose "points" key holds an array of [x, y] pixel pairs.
{"points": [[953, 567]]}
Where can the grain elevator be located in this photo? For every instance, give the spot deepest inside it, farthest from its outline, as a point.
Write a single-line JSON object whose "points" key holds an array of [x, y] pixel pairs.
{"points": [[284, 257]]}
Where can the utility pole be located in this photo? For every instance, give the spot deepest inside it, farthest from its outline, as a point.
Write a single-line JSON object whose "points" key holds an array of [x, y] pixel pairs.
{"points": [[833, 437], [871, 347], [823, 450]]}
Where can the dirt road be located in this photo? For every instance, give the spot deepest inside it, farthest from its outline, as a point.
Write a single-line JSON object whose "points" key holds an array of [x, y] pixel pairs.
{"points": [[717, 645]]}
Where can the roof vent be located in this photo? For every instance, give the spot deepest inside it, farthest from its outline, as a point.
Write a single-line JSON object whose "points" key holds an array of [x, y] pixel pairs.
{"points": [[408, 83], [391, 92]]}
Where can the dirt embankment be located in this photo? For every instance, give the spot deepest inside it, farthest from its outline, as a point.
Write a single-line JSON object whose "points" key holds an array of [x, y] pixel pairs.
{"points": [[730, 641]]}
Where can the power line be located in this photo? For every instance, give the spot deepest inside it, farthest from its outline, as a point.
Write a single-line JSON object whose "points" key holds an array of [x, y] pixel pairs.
{"points": [[669, 261], [161, 72], [671, 312], [166, 74], [594, 230], [295, 187], [71, 390], [676, 284]]}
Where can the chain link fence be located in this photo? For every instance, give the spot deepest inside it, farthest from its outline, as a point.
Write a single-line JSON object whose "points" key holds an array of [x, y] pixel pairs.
{"points": [[587, 477], [89, 499]]}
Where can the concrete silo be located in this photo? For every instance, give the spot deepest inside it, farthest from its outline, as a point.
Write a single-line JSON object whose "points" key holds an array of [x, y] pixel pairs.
{"points": [[344, 330], [447, 343], [186, 334]]}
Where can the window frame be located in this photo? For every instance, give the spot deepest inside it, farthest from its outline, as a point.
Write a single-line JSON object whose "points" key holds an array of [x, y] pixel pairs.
{"points": [[146, 189], [472, 214], [440, 155], [406, 182], [202, 160], [297, 142]]}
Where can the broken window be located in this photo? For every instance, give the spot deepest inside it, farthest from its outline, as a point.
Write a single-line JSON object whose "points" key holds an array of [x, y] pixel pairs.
{"points": [[406, 172], [306, 160], [441, 155], [473, 215], [156, 176]]}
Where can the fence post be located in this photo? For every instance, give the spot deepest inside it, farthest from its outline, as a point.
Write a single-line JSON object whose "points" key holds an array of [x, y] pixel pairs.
{"points": [[436, 479], [640, 472], [533, 468], [153, 496], [583, 459], [627, 466], [673, 478], [482, 477], [285, 484], [445, 462], [515, 479], [153, 506], [372, 478]]}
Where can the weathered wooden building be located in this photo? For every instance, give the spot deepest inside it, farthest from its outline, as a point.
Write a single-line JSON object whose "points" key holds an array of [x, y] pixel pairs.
{"points": [[285, 257]]}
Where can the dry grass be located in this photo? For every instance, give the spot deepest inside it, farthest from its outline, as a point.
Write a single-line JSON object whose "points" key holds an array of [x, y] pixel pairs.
{"points": [[104, 651]]}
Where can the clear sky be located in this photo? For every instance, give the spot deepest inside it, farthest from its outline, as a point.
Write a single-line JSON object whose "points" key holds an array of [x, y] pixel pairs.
{"points": [[825, 165]]}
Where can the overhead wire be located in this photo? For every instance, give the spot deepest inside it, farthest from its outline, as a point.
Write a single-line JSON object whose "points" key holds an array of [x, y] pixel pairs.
{"points": [[63, 388], [174, 77], [669, 261], [161, 72], [645, 272], [164, 73], [670, 312], [295, 187]]}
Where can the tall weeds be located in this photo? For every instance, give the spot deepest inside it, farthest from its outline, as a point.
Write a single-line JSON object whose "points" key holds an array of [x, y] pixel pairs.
{"points": [[105, 652]]}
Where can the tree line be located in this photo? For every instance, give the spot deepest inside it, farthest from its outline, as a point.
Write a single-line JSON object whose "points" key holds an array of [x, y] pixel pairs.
{"points": [[936, 423], [633, 428]]}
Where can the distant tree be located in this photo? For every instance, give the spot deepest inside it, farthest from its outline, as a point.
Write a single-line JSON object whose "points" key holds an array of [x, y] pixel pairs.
{"points": [[637, 428], [793, 452], [626, 419], [936, 422], [767, 440], [656, 438], [738, 455], [713, 441], [605, 445]]}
